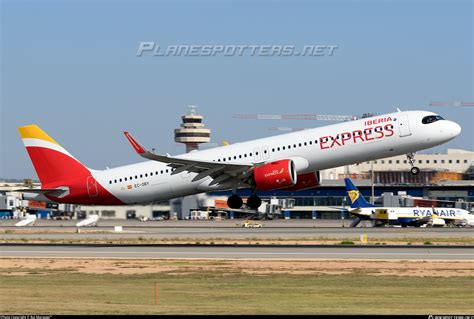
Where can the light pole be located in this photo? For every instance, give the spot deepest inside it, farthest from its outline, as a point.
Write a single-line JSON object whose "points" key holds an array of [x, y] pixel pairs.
{"points": [[372, 180]]}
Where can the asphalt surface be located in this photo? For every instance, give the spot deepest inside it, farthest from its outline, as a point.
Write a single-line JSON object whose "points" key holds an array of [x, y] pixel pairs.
{"points": [[225, 229], [378, 253], [237, 232]]}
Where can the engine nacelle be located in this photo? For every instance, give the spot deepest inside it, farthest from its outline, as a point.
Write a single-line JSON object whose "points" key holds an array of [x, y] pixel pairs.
{"points": [[438, 222], [305, 181], [275, 175]]}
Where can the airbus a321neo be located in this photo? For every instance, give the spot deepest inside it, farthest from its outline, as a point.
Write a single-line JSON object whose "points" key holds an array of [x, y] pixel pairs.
{"points": [[289, 161]]}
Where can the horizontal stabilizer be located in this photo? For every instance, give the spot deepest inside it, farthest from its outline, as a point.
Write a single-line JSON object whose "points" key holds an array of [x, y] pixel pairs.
{"points": [[56, 192]]}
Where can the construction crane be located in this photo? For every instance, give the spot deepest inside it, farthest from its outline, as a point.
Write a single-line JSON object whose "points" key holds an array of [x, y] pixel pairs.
{"points": [[308, 117], [304, 117], [454, 103]]}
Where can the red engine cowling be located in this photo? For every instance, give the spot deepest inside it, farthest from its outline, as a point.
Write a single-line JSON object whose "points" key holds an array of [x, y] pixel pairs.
{"points": [[305, 181], [275, 175]]}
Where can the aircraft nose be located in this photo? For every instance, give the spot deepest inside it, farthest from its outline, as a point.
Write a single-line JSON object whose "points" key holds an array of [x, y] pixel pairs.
{"points": [[454, 128]]}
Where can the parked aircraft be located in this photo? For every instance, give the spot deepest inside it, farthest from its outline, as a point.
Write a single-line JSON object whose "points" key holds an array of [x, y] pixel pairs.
{"points": [[29, 220], [404, 216], [289, 161], [92, 220]]}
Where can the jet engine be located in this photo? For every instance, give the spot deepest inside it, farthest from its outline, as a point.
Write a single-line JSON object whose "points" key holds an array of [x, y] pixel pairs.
{"points": [[305, 181], [438, 222], [275, 175]]}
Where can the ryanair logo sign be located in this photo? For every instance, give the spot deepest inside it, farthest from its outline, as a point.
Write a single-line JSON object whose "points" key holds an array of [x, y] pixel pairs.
{"points": [[353, 195]]}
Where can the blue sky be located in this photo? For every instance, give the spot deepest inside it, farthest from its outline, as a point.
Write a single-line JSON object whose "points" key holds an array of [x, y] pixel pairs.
{"points": [[71, 67]]}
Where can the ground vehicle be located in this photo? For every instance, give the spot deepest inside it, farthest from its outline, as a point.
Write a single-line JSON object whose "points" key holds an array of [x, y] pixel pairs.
{"points": [[252, 223]]}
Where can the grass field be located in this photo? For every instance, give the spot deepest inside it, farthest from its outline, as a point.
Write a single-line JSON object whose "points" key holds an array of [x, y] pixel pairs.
{"points": [[320, 240], [224, 287]]}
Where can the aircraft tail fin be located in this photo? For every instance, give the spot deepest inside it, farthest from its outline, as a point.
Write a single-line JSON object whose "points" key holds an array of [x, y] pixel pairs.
{"points": [[355, 197], [51, 161]]}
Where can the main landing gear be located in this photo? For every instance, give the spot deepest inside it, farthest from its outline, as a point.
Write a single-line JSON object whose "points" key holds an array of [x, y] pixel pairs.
{"points": [[254, 202], [235, 201], [411, 159]]}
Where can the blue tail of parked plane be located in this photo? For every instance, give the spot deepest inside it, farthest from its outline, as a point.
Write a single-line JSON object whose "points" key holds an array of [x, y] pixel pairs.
{"points": [[355, 197]]}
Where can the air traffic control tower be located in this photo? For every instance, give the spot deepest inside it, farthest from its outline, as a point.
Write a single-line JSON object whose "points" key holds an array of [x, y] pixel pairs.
{"points": [[192, 131]]}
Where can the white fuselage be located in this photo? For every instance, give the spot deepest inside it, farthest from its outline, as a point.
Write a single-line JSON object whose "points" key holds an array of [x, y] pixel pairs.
{"points": [[311, 150], [407, 213]]}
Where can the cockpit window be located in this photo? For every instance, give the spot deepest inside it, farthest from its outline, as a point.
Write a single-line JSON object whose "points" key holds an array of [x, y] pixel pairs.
{"points": [[431, 119]]}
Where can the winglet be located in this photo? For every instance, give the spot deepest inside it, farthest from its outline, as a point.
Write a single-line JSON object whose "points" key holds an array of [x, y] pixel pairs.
{"points": [[138, 148]]}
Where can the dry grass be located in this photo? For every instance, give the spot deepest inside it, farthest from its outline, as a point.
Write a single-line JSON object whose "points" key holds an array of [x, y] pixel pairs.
{"points": [[127, 286]]}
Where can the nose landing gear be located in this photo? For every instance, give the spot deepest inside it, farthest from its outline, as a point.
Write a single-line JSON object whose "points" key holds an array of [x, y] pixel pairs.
{"points": [[411, 159]]}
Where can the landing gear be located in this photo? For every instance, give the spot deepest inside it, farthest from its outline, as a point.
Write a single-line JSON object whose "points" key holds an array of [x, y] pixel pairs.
{"points": [[234, 201], [411, 159], [254, 201], [415, 170]]}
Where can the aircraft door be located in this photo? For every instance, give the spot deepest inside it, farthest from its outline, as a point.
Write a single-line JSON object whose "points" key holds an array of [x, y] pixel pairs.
{"points": [[404, 126], [92, 187]]}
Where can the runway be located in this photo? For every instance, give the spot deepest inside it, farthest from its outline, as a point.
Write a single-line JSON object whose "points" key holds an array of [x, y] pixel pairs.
{"points": [[206, 252], [203, 233]]}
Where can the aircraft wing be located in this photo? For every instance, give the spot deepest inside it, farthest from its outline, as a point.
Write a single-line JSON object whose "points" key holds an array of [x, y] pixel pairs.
{"points": [[220, 172]]}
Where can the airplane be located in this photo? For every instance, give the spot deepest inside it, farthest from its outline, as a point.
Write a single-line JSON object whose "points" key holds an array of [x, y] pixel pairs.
{"points": [[92, 220], [404, 216], [289, 161], [29, 220]]}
